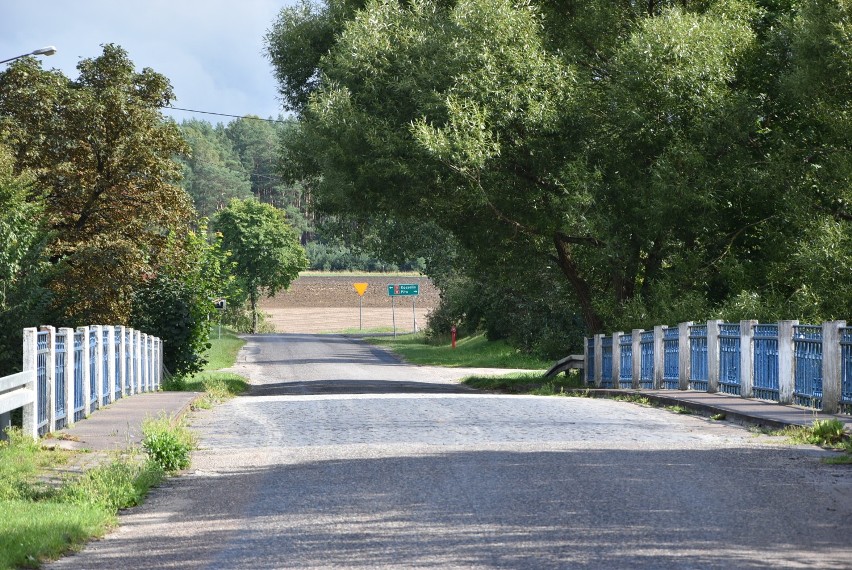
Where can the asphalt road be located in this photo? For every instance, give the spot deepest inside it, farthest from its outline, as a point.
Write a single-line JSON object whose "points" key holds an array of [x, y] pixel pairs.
{"points": [[343, 457]]}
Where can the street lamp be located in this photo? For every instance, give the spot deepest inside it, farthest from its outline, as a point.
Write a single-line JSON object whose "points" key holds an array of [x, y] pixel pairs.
{"points": [[49, 50]]}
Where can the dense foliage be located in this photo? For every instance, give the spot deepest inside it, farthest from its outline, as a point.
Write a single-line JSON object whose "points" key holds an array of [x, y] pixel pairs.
{"points": [[626, 163], [102, 160]]}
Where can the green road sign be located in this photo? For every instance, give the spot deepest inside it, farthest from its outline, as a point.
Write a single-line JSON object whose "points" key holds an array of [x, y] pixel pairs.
{"points": [[403, 290]]}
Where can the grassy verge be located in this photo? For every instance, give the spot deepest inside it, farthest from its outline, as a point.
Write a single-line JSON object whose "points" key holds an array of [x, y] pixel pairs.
{"points": [[828, 433], [216, 386], [475, 351], [42, 520]]}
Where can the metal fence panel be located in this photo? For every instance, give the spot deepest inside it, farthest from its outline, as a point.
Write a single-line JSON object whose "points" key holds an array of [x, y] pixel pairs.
{"points": [[766, 362], [41, 374], [589, 364], [671, 364], [625, 368], [730, 381], [606, 362], [846, 369], [807, 349], [59, 380], [646, 360], [698, 379], [79, 366]]}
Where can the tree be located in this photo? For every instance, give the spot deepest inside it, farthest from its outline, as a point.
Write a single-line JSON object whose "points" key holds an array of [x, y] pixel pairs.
{"points": [[23, 264], [264, 248], [104, 164], [662, 155]]}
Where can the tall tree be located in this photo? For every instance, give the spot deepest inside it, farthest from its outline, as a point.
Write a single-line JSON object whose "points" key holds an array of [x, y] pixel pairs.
{"points": [[263, 246], [644, 148], [104, 162]]}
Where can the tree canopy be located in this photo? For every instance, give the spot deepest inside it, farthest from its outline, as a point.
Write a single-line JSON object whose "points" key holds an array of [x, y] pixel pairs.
{"points": [[103, 162], [667, 160]]}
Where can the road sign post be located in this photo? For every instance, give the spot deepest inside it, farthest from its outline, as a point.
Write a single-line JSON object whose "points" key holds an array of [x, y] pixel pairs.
{"points": [[404, 290], [360, 288]]}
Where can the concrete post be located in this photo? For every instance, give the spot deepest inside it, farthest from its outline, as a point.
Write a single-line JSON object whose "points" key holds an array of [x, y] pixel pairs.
{"points": [[70, 385], [30, 411], [747, 358], [713, 355], [832, 372], [659, 357], [87, 371], [598, 360], [636, 365], [786, 381], [616, 359], [684, 362]]}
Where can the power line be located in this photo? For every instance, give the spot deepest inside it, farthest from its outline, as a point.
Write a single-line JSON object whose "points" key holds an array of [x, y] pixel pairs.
{"points": [[226, 115]]}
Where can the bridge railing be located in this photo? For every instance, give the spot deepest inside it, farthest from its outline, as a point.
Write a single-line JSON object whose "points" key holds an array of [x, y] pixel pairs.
{"points": [[68, 373], [785, 362]]}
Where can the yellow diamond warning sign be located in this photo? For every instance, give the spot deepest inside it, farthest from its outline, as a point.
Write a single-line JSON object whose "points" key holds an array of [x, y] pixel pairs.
{"points": [[361, 288]]}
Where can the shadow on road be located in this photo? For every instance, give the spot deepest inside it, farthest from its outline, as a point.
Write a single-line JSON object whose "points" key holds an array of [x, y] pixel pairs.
{"points": [[342, 387]]}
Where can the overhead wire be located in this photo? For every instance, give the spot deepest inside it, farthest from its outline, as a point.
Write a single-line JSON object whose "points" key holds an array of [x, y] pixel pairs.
{"points": [[249, 117]]}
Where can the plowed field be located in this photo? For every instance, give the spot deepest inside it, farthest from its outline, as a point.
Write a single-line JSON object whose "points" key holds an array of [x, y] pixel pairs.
{"points": [[317, 303]]}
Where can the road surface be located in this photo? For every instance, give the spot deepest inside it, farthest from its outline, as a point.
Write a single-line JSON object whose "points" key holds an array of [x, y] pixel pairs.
{"points": [[343, 457]]}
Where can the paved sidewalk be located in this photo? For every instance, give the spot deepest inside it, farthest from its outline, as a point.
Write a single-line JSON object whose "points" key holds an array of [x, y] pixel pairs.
{"points": [[118, 426], [742, 410]]}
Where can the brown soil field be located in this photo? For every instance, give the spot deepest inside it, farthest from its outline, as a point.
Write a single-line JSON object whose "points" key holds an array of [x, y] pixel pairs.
{"points": [[318, 303]]}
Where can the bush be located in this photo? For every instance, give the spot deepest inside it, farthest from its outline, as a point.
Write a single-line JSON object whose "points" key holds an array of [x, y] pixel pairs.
{"points": [[167, 444]]}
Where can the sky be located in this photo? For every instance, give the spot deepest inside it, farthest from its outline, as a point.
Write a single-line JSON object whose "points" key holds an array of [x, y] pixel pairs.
{"points": [[211, 50]]}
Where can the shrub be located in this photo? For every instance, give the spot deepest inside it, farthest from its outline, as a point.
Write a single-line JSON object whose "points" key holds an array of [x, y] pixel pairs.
{"points": [[167, 444]]}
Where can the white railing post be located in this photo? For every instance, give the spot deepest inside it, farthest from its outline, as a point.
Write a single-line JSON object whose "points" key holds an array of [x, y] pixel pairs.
{"points": [[616, 359], [636, 362], [747, 358], [87, 371], [598, 359], [659, 356], [684, 353], [69, 389], [786, 381], [100, 355], [30, 411], [50, 374], [832, 373], [713, 355], [160, 364]]}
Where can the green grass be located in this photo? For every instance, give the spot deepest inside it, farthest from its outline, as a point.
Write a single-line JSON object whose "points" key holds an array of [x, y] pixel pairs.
{"points": [[41, 519], [223, 351], [531, 383], [475, 352]]}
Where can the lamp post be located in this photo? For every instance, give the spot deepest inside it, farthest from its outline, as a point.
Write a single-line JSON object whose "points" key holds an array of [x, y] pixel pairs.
{"points": [[49, 50]]}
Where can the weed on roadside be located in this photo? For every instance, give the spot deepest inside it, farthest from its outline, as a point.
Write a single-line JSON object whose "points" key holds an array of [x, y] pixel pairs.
{"points": [[167, 443], [632, 399], [718, 417], [678, 409]]}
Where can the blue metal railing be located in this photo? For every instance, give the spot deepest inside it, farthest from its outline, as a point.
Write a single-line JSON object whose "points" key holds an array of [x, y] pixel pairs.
{"points": [[118, 363], [107, 390], [625, 365], [79, 397], [93, 368], [698, 379], [41, 374], [730, 381], [646, 360], [807, 348], [606, 362], [671, 364], [61, 413], [846, 369], [766, 362], [590, 362]]}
